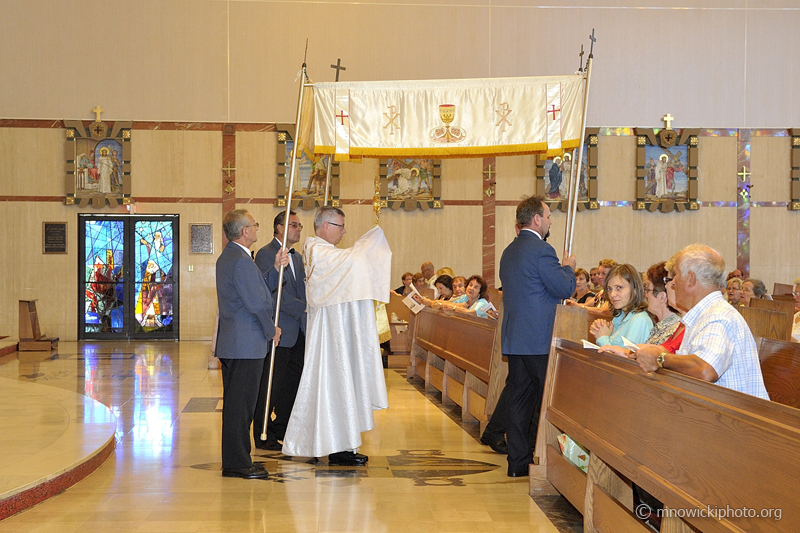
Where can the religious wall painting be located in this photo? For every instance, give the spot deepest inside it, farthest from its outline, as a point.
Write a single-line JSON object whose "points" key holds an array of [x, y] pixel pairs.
{"points": [[666, 174], [98, 162], [794, 204], [553, 176], [410, 183], [311, 173]]}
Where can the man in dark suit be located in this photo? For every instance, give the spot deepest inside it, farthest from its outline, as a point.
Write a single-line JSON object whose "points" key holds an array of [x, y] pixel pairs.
{"points": [[243, 337], [533, 283], [288, 365]]}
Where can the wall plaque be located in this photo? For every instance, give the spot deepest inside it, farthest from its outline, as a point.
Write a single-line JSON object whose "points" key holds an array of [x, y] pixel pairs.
{"points": [[201, 238], [54, 237]]}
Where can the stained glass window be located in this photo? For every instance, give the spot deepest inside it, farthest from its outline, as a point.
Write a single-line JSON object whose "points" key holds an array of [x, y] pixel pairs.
{"points": [[153, 278], [103, 261]]}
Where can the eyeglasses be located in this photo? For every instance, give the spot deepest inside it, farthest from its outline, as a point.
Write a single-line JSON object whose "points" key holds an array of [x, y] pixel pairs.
{"points": [[667, 280], [651, 289], [295, 225], [253, 226], [335, 224]]}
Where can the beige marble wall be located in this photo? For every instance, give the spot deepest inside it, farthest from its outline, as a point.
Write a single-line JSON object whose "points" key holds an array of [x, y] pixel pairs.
{"points": [[185, 164], [236, 61]]}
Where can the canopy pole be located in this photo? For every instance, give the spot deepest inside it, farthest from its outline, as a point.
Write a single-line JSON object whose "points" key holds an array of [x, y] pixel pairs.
{"points": [[292, 173], [573, 199]]}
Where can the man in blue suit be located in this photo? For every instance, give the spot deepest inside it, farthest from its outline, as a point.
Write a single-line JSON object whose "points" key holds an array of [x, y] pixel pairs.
{"points": [[243, 337], [288, 365], [533, 283]]}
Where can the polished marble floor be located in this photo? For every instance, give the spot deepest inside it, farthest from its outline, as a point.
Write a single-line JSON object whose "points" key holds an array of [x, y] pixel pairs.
{"points": [[426, 472]]}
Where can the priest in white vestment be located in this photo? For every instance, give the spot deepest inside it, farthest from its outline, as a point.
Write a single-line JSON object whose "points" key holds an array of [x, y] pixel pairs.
{"points": [[343, 379]]}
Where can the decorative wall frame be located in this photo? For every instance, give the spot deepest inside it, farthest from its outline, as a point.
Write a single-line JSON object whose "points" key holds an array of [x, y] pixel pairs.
{"points": [[98, 162], [794, 204], [547, 173], [201, 238], [410, 183], [666, 169], [309, 187]]}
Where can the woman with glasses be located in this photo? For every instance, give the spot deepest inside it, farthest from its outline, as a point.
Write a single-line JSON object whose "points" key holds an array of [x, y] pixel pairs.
{"points": [[752, 288], [625, 291]]}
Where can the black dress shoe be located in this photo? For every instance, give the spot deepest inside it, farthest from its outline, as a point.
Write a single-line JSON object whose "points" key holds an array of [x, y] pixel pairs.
{"points": [[518, 473], [498, 445], [269, 444], [347, 459], [253, 472]]}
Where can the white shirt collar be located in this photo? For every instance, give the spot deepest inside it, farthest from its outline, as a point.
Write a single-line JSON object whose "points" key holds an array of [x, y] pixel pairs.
{"points": [[532, 231]]}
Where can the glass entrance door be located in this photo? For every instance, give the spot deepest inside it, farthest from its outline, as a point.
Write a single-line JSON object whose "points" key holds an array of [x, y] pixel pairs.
{"points": [[129, 284]]}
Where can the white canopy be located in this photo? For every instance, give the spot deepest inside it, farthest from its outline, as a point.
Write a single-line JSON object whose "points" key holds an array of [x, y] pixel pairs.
{"points": [[448, 118]]}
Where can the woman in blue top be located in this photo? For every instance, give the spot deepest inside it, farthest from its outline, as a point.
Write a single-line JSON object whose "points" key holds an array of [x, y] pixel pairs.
{"points": [[625, 291], [473, 301]]}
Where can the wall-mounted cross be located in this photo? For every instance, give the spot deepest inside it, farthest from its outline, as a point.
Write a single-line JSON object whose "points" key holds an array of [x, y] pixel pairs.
{"points": [[338, 66], [744, 173], [228, 169], [97, 110], [668, 119]]}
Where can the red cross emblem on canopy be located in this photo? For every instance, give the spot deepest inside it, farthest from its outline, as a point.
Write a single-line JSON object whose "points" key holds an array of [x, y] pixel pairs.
{"points": [[342, 115], [553, 110]]}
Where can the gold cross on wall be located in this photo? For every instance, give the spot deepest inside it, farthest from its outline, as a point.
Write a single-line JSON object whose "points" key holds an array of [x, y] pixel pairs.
{"points": [[668, 119], [97, 110], [228, 169], [744, 173]]}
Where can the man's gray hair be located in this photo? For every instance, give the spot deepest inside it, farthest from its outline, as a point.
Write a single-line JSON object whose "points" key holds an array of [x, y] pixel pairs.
{"points": [[706, 263], [234, 222], [326, 214]]}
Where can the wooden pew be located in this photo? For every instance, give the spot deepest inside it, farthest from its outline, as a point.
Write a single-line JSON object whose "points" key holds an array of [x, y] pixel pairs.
{"points": [[693, 445], [452, 352], [767, 322], [780, 366], [782, 306], [400, 342], [780, 289]]}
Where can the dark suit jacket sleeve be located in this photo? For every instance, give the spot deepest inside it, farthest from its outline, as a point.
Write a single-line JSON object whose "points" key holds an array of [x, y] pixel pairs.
{"points": [[265, 259], [245, 278], [559, 280]]}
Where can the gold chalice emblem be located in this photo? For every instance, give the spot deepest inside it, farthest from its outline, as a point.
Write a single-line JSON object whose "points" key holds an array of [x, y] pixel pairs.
{"points": [[447, 112]]}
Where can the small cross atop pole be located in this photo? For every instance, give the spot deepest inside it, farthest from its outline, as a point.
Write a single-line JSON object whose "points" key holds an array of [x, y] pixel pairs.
{"points": [[668, 119], [594, 40], [338, 66], [580, 67], [97, 110]]}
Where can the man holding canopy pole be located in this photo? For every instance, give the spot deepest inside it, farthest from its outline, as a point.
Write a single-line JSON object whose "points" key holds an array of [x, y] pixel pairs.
{"points": [[343, 381]]}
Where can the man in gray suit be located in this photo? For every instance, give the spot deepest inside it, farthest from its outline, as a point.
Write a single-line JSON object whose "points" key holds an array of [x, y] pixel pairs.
{"points": [[288, 365], [243, 337]]}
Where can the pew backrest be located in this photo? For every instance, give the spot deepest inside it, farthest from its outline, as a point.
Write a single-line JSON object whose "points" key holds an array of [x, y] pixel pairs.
{"points": [[780, 366], [767, 323], [783, 306]]}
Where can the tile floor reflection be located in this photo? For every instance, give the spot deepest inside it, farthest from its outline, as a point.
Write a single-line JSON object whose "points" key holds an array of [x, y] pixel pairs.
{"points": [[426, 473]]}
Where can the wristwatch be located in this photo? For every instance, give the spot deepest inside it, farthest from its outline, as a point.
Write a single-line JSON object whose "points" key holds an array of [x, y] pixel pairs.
{"points": [[660, 359]]}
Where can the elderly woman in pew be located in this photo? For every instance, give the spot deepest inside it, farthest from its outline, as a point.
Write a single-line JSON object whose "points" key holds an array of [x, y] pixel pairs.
{"points": [[660, 295], [405, 288], [753, 288], [625, 291], [582, 288], [459, 286], [473, 302], [444, 286]]}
